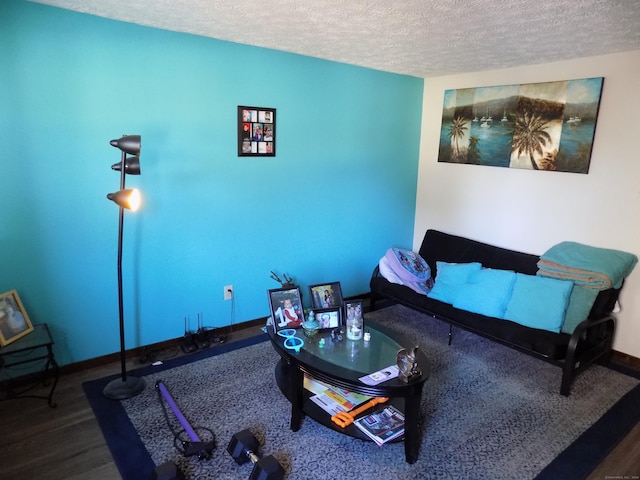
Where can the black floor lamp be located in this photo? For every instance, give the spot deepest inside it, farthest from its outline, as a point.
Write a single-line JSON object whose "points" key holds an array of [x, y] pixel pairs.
{"points": [[125, 386]]}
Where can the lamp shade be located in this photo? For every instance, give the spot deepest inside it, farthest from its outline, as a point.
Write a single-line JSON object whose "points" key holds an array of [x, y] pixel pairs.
{"points": [[131, 166], [129, 144], [129, 198]]}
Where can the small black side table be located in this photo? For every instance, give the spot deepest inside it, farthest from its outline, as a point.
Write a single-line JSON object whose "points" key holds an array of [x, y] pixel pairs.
{"points": [[35, 346]]}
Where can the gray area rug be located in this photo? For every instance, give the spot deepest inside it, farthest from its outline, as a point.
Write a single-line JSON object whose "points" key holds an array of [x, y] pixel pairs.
{"points": [[489, 412]]}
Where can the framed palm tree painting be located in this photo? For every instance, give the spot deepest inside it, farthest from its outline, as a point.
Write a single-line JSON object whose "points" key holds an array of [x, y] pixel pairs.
{"points": [[537, 126]]}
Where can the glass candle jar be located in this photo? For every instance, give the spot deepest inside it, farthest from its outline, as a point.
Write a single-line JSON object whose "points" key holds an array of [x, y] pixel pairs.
{"points": [[354, 328]]}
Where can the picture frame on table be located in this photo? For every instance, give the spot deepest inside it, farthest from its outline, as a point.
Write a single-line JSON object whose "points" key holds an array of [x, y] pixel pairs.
{"points": [[326, 295], [14, 321], [329, 318], [353, 310], [354, 319], [286, 308]]}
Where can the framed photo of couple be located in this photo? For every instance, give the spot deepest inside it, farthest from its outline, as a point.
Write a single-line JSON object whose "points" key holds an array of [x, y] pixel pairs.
{"points": [[326, 295], [256, 131]]}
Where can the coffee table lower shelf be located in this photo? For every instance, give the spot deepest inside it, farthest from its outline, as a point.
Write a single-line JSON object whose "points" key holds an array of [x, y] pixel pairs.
{"points": [[283, 373]]}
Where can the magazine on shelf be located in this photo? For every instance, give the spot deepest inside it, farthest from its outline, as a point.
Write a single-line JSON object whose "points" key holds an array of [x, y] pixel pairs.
{"points": [[333, 399], [382, 426]]}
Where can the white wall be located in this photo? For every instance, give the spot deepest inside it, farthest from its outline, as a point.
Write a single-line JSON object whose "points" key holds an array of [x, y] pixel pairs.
{"points": [[530, 210]]}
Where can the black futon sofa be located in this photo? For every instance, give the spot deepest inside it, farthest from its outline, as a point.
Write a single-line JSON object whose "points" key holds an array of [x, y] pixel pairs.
{"points": [[590, 342]]}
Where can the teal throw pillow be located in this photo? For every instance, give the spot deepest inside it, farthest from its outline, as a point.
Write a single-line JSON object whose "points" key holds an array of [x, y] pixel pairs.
{"points": [[539, 302], [450, 277], [486, 292], [580, 303]]}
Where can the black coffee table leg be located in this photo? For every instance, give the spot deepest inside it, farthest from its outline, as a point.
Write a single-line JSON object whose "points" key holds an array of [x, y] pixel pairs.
{"points": [[297, 391], [411, 430]]}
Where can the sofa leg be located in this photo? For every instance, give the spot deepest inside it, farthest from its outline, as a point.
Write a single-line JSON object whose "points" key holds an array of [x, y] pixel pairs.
{"points": [[567, 380], [565, 388], [605, 359], [372, 302]]}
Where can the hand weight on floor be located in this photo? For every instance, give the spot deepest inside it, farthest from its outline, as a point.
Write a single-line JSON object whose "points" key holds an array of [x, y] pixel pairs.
{"points": [[167, 471], [244, 447]]}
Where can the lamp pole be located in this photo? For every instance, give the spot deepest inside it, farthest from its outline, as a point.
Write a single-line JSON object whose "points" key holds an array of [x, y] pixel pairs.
{"points": [[125, 386], [120, 294]]}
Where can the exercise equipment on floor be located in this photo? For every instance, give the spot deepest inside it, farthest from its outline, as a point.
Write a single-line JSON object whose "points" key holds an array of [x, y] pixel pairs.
{"points": [[243, 447], [196, 445], [167, 471]]}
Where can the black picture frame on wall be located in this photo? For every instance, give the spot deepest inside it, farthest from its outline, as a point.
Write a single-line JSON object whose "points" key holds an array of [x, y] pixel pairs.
{"points": [[256, 131]]}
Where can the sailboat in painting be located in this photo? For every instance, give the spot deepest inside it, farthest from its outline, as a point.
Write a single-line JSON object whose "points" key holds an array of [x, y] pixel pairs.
{"points": [[486, 119], [575, 120]]}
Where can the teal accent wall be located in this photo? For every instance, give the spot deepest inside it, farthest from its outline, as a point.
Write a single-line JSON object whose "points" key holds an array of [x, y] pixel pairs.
{"points": [[341, 190]]}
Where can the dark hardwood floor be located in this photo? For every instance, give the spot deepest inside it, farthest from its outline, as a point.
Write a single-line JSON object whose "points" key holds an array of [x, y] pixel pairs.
{"points": [[39, 442]]}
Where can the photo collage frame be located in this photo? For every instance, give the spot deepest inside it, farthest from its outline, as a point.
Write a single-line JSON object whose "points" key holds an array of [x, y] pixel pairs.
{"points": [[256, 132]]}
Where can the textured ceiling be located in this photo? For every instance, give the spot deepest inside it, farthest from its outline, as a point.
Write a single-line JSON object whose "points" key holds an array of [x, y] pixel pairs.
{"points": [[425, 38]]}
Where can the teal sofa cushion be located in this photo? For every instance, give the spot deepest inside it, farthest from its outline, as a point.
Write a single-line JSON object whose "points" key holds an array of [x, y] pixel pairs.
{"points": [[580, 303], [450, 277], [486, 292], [539, 302]]}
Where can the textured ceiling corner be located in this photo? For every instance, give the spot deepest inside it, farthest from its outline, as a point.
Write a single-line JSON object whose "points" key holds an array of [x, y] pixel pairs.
{"points": [[415, 37]]}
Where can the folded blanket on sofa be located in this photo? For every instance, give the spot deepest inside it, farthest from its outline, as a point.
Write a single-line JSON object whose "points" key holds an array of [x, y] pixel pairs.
{"points": [[591, 267]]}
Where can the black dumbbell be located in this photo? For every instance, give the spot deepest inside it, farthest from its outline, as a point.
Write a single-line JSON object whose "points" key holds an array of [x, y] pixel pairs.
{"points": [[167, 471], [244, 447]]}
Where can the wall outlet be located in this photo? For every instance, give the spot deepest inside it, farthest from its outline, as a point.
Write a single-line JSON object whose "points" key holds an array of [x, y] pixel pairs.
{"points": [[228, 292]]}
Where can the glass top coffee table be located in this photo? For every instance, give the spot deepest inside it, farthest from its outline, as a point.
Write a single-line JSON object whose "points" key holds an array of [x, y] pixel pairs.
{"points": [[342, 364]]}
